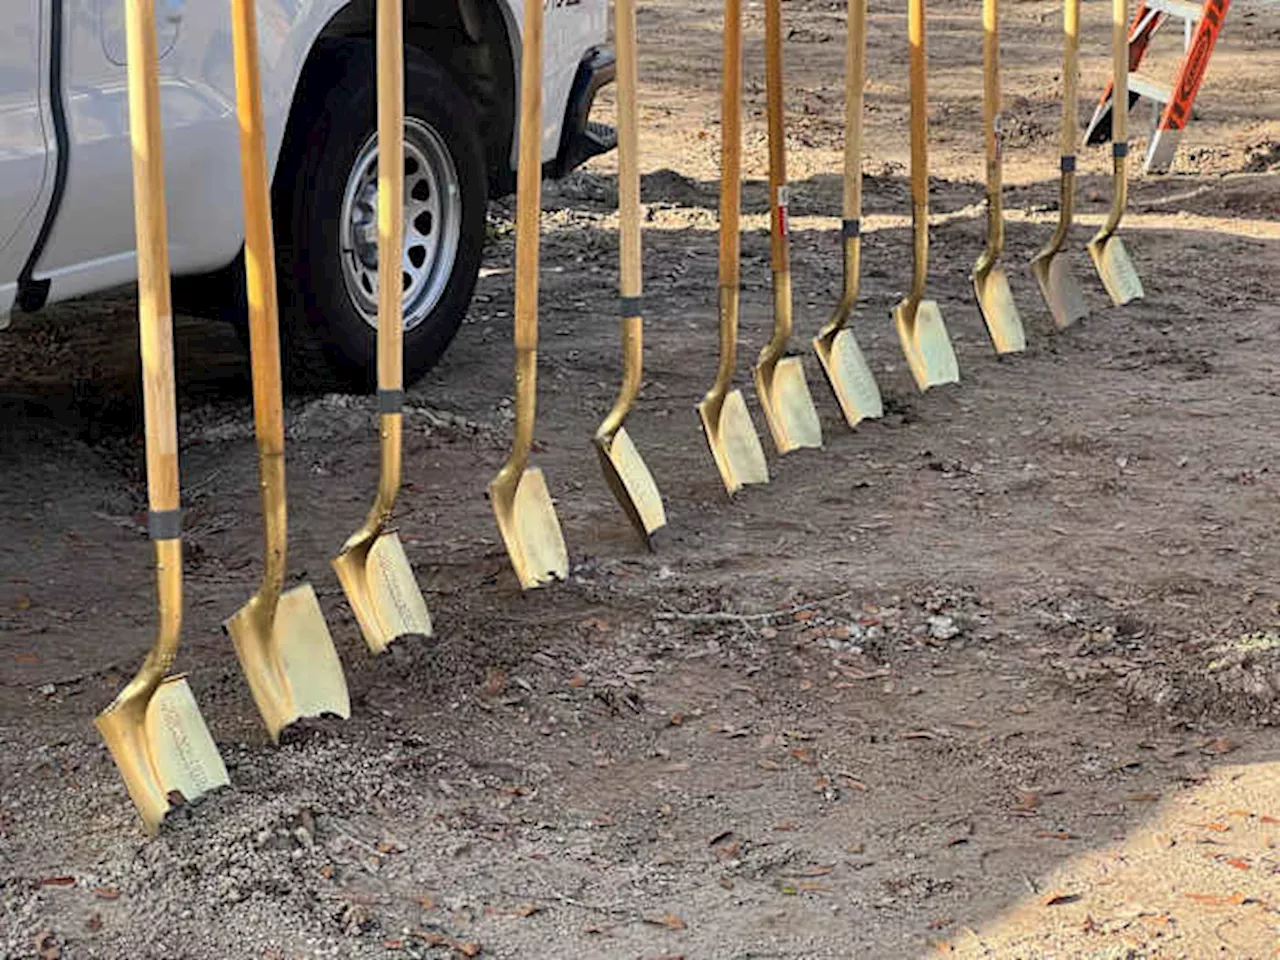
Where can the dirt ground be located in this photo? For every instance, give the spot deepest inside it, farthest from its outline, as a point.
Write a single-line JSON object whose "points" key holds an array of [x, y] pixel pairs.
{"points": [[993, 676]]}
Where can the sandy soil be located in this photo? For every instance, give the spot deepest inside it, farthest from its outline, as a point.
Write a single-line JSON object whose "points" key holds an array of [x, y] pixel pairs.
{"points": [[993, 676]]}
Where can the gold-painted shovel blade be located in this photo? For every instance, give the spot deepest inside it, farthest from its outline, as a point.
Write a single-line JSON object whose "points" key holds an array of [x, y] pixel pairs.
{"points": [[1116, 269], [289, 659], [734, 443], [163, 750], [926, 344], [788, 405], [1061, 292], [310, 659], [850, 377], [632, 484], [530, 529], [995, 300], [383, 592]]}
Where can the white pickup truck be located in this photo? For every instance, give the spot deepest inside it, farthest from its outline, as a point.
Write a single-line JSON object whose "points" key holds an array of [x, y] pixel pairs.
{"points": [[66, 220]]}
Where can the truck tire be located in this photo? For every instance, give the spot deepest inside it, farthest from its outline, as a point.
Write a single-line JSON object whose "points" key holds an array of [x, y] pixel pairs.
{"points": [[325, 216]]}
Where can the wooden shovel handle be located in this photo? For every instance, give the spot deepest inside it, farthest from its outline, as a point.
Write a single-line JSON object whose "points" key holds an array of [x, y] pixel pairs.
{"points": [[155, 310], [776, 115], [390, 67], [1119, 115], [155, 322], [1120, 70], [730, 201], [855, 82], [528, 210], [1067, 140], [628, 149], [919, 149], [259, 246], [1070, 76], [260, 283], [629, 261], [731, 146], [991, 127], [529, 185]]}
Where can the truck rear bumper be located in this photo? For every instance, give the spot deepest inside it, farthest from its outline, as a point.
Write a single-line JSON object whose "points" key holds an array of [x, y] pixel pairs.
{"points": [[581, 138]]}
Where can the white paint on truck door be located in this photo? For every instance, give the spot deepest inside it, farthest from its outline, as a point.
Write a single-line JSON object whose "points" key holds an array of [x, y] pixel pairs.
{"points": [[25, 135], [92, 243], [114, 43], [570, 28]]}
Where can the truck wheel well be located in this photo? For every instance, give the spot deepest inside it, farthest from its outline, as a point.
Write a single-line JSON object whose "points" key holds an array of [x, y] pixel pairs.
{"points": [[469, 39]]}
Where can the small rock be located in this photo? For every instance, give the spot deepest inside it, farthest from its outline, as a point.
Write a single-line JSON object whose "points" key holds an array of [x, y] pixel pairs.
{"points": [[942, 627]]}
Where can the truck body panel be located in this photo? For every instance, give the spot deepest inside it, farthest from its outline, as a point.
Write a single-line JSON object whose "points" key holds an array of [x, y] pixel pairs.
{"points": [[90, 244]]}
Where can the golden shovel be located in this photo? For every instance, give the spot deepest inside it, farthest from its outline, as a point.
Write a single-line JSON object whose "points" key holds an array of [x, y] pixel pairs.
{"points": [[726, 423], [921, 331], [280, 636], [153, 728], [847, 370], [624, 470], [372, 567], [1106, 248], [990, 283], [521, 502], [1050, 267], [780, 381]]}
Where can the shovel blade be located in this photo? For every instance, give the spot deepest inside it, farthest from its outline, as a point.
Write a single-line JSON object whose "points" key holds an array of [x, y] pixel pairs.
{"points": [[164, 751], [383, 592], [310, 661], [289, 659], [850, 377], [632, 483], [788, 406], [1062, 294], [995, 299], [531, 530], [734, 443], [1116, 270], [926, 345]]}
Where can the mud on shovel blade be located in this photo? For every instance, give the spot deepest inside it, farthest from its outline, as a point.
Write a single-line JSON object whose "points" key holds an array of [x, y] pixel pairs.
{"points": [[373, 569], [780, 381], [726, 423], [624, 469], [921, 331], [838, 351], [990, 282], [153, 729], [1050, 267], [1107, 249], [521, 502]]}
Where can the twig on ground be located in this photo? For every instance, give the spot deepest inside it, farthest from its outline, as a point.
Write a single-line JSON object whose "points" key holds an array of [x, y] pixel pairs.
{"points": [[557, 895], [721, 616]]}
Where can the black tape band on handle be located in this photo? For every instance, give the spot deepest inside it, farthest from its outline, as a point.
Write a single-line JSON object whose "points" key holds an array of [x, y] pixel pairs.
{"points": [[629, 307], [1068, 163], [164, 524], [1119, 150], [390, 401], [851, 229]]}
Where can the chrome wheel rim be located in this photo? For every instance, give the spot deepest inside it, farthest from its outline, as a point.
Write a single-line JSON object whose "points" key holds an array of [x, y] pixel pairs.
{"points": [[432, 225]]}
